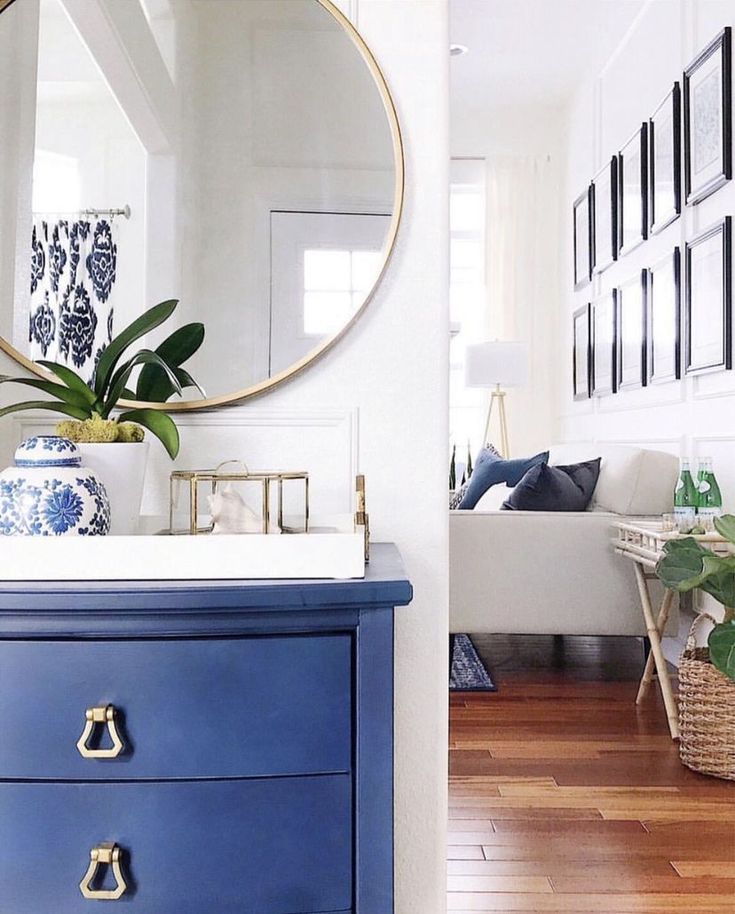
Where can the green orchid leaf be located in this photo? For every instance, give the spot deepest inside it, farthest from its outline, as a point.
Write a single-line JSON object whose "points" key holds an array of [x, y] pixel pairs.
{"points": [[174, 350], [148, 321], [186, 380], [722, 648], [725, 526], [121, 376], [181, 344], [66, 409], [72, 380], [53, 390], [159, 424], [161, 389]]}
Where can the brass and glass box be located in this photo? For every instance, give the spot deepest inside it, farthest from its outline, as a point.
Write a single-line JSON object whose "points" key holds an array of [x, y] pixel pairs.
{"points": [[232, 499]]}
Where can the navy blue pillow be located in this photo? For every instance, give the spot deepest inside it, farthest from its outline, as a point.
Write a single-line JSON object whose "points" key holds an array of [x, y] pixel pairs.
{"points": [[491, 469], [545, 488]]}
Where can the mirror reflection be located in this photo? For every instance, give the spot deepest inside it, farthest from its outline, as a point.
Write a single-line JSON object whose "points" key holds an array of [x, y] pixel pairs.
{"points": [[234, 154]]}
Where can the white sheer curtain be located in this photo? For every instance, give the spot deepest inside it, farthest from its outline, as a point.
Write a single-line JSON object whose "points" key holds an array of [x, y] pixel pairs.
{"points": [[522, 278], [510, 293], [521, 234]]}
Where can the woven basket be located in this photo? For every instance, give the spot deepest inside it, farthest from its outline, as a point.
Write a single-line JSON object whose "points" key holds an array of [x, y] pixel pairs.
{"points": [[706, 711]]}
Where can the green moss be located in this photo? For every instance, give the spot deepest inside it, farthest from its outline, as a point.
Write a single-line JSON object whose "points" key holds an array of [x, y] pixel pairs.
{"points": [[129, 432], [97, 430]]}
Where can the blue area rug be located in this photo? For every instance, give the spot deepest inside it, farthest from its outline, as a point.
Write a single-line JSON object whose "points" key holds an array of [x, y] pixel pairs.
{"points": [[469, 673]]}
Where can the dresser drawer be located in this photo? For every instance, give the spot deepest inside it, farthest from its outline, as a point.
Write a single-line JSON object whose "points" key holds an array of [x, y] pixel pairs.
{"points": [[276, 846], [236, 707]]}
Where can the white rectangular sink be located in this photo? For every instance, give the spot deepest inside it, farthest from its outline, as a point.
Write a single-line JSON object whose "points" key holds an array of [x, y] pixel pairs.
{"points": [[321, 553]]}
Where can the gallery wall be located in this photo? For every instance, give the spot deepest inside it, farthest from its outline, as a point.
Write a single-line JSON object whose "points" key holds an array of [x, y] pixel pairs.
{"points": [[379, 401], [692, 416]]}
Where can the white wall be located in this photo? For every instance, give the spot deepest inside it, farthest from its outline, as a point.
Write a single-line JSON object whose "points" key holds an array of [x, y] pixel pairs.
{"points": [[283, 116], [62, 107], [17, 131], [112, 175], [391, 373], [688, 417]]}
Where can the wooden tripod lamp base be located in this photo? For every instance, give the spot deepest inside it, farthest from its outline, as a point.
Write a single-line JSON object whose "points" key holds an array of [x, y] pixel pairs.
{"points": [[496, 365], [497, 395]]}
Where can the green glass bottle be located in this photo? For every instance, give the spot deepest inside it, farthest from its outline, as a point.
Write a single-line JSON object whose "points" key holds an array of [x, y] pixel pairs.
{"points": [[453, 470], [469, 461], [686, 497], [709, 497]]}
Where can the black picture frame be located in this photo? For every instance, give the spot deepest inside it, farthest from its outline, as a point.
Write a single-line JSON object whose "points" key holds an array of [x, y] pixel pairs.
{"points": [[582, 216], [633, 191], [706, 136], [664, 155], [603, 343], [581, 353], [631, 333], [708, 299], [604, 207], [663, 300]]}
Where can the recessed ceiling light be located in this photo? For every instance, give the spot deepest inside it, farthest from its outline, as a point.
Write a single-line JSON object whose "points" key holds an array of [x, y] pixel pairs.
{"points": [[456, 50]]}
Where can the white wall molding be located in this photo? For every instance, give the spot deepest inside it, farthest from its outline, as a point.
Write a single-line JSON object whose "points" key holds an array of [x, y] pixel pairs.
{"points": [[623, 403], [713, 438], [664, 443], [630, 32], [714, 393], [349, 8], [324, 442]]}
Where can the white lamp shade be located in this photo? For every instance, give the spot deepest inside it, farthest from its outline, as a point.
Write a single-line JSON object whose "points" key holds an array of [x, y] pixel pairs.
{"points": [[491, 363]]}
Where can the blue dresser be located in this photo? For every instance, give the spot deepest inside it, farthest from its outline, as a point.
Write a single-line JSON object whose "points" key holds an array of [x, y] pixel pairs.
{"points": [[199, 747]]}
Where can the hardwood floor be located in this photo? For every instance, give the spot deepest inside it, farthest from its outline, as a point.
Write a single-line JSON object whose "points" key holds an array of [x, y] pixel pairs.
{"points": [[565, 797]]}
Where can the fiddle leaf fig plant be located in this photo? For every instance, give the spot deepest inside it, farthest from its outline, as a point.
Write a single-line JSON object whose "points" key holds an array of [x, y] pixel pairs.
{"points": [[686, 565], [90, 405]]}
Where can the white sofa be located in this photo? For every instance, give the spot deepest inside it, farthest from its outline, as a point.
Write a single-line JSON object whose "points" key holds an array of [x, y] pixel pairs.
{"points": [[556, 573]]}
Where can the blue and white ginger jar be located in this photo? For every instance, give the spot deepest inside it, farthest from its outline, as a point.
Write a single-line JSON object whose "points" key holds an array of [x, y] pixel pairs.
{"points": [[49, 493]]}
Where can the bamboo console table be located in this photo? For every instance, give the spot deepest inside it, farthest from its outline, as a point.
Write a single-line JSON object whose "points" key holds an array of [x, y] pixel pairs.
{"points": [[643, 544]]}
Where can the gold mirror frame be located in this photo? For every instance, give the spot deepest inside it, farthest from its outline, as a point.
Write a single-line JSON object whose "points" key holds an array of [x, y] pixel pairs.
{"points": [[295, 369]]}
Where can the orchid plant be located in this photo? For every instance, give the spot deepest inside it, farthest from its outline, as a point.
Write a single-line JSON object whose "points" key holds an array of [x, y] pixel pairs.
{"points": [[92, 404]]}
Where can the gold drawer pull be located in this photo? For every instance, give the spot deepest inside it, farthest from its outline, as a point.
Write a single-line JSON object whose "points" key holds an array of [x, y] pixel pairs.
{"points": [[104, 855], [104, 715]]}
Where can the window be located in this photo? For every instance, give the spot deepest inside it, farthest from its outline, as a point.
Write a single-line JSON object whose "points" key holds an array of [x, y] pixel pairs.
{"points": [[467, 299], [56, 183], [335, 285]]}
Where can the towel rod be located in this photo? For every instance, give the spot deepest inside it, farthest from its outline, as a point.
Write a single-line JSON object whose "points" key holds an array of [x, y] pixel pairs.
{"points": [[124, 211]]}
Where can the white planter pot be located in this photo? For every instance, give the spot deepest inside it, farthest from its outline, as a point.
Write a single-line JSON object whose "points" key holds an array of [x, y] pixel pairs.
{"points": [[121, 467]]}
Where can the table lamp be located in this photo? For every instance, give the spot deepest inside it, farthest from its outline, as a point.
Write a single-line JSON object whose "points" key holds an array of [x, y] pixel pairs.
{"points": [[496, 365]]}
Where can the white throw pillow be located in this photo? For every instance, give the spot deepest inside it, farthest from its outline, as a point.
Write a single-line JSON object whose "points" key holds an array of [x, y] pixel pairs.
{"points": [[632, 480], [493, 499]]}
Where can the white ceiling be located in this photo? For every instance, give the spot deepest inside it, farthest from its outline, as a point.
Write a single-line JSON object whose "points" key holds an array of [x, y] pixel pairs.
{"points": [[532, 53]]}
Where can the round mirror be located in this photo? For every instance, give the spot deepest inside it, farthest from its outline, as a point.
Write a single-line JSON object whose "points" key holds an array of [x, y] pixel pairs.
{"points": [[241, 156]]}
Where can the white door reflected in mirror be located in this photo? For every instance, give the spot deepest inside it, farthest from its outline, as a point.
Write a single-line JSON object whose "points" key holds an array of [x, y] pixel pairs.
{"points": [[323, 268]]}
